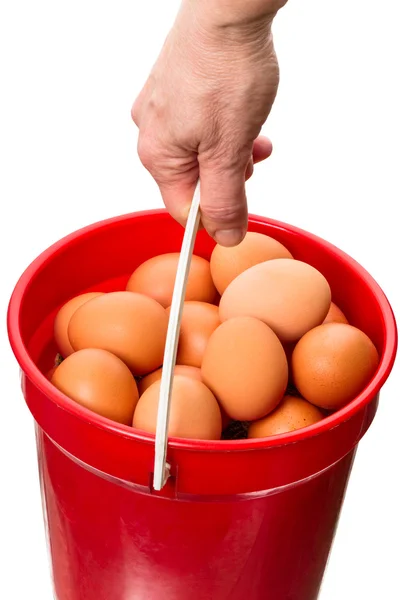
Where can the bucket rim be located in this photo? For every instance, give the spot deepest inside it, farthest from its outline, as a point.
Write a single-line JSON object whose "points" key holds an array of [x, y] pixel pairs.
{"points": [[64, 402]]}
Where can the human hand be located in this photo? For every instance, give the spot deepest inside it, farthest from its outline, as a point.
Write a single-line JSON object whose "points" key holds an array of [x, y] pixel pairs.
{"points": [[201, 111]]}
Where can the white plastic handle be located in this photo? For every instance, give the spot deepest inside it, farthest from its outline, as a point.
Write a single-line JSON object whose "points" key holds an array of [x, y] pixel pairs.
{"points": [[161, 467]]}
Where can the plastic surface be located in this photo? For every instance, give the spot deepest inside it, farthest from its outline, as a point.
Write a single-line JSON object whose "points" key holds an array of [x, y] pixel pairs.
{"points": [[248, 519], [161, 467]]}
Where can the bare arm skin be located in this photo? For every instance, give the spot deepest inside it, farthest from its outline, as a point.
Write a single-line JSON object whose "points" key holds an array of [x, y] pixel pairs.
{"points": [[202, 108]]}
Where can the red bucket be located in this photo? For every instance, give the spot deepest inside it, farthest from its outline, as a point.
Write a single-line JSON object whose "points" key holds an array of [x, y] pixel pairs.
{"points": [[251, 519]]}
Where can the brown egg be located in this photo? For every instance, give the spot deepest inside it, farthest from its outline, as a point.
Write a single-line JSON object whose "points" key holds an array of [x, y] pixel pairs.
{"points": [[51, 372], [195, 413], [199, 320], [288, 295], [186, 371], [245, 366], [227, 263], [147, 381], [335, 315], [332, 364], [156, 278], [63, 318], [131, 326], [291, 414], [99, 381]]}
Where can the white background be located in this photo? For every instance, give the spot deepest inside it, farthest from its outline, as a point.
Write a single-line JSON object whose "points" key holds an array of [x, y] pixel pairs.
{"points": [[69, 72]]}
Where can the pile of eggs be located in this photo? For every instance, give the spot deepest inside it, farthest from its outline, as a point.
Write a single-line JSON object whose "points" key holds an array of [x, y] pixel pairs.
{"points": [[261, 345]]}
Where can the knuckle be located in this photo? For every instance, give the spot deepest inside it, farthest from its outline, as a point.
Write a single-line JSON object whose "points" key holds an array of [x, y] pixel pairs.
{"points": [[226, 157], [249, 170], [224, 213], [135, 114], [146, 153]]}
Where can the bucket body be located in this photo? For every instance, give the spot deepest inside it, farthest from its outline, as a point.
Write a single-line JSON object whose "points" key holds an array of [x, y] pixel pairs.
{"points": [[108, 541], [250, 519]]}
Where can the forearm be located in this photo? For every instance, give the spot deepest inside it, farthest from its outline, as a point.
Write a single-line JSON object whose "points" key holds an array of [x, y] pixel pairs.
{"points": [[226, 13]]}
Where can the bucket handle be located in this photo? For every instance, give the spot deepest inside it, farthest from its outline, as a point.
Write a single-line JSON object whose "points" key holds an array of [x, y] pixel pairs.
{"points": [[161, 467]]}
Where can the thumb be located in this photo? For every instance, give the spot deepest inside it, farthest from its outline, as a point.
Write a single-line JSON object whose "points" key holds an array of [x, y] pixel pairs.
{"points": [[223, 202]]}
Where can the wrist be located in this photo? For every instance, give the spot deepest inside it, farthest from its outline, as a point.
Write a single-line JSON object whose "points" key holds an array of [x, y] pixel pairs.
{"points": [[243, 26], [236, 14]]}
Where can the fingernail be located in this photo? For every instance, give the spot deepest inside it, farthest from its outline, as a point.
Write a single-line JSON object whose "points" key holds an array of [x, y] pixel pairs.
{"points": [[229, 237]]}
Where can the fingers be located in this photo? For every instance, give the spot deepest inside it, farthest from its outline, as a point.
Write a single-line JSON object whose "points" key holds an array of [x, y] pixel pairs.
{"points": [[140, 102], [262, 149], [223, 203], [175, 170], [223, 195], [136, 109], [177, 197], [249, 169]]}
